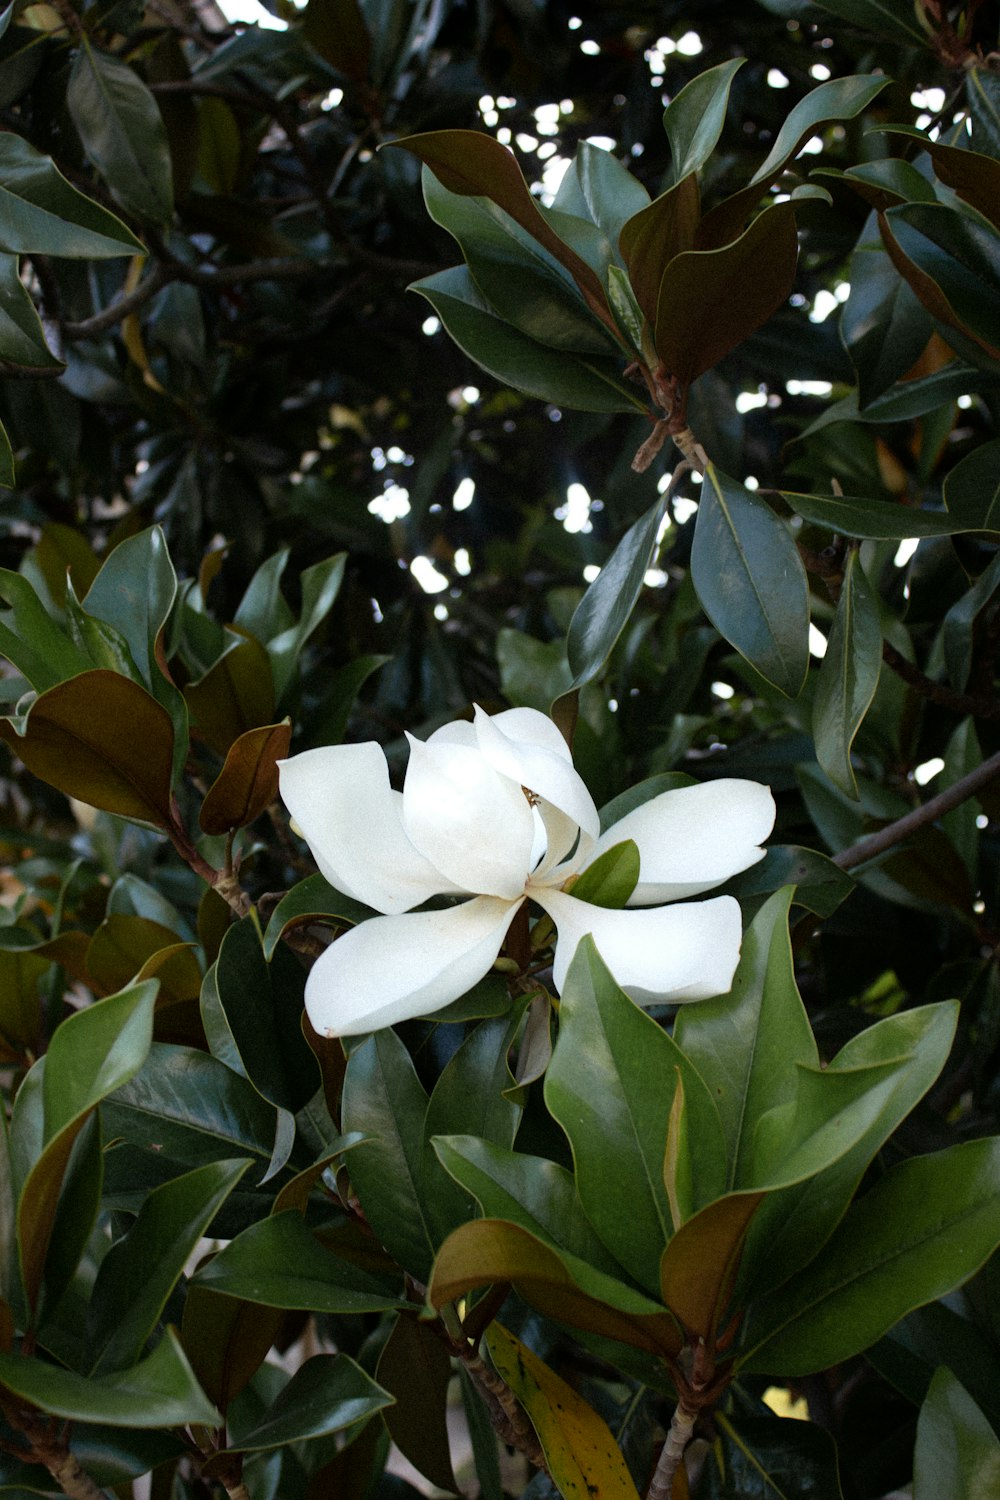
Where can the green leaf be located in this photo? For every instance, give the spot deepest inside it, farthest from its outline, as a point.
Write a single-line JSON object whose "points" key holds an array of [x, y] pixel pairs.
{"points": [[882, 324], [796, 1221], [530, 1191], [597, 186], [848, 675], [8, 477], [159, 1391], [820, 885], [611, 879], [320, 586], [41, 214], [104, 740], [326, 1394], [122, 132], [135, 591], [857, 516], [580, 1451], [893, 19], [838, 99], [263, 611], [191, 1107], [972, 489], [921, 1231], [22, 338], [91, 1054], [263, 1005], [606, 607], [957, 1452], [311, 899], [327, 722], [610, 1084], [226, 1340], [141, 1269], [31, 639], [588, 383], [949, 259], [770, 1457], [693, 120], [984, 107], [522, 282], [385, 1101], [751, 582], [415, 1368], [746, 1045], [474, 164], [280, 1263]]}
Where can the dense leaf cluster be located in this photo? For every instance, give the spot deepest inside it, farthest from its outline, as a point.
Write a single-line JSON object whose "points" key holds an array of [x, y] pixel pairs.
{"points": [[696, 448]]}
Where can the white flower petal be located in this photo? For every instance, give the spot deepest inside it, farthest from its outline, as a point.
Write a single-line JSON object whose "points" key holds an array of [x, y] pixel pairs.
{"points": [[390, 969], [340, 797], [694, 838], [472, 823], [534, 762], [674, 953]]}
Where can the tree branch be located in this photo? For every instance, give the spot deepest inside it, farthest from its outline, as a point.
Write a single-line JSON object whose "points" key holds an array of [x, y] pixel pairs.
{"points": [[938, 692], [928, 812], [119, 310]]}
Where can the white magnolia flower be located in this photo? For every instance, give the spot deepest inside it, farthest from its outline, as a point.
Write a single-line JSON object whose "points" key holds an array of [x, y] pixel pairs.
{"points": [[495, 812]]}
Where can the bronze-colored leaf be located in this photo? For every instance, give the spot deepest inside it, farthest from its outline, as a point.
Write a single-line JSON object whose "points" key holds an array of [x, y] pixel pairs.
{"points": [[248, 782], [235, 694], [652, 237], [699, 1264], [103, 739]]}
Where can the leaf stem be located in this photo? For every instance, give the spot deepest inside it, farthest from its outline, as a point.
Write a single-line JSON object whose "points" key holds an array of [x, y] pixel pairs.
{"points": [[681, 1427], [927, 812], [46, 1448]]}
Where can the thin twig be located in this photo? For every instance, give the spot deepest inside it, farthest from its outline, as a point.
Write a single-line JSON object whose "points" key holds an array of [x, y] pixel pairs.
{"points": [[86, 328], [46, 1448], [927, 812], [938, 692]]}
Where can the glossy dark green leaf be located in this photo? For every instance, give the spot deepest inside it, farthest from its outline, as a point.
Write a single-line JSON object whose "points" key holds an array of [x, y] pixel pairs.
{"points": [[530, 1191], [327, 723], [589, 383], [159, 1391], [854, 515], [122, 132], [794, 1222], [91, 1054], [606, 607], [189, 1105], [893, 19], [320, 585], [7, 475], [693, 120], [280, 1263], [41, 213], [961, 624], [385, 1101], [751, 582], [415, 1368], [263, 1006], [471, 163], [32, 640], [135, 591], [949, 259], [311, 899], [610, 1084], [957, 1451], [711, 300], [984, 107], [263, 611], [104, 740], [141, 1270], [883, 325], [770, 1458], [597, 187], [22, 338], [885, 182], [326, 1394], [820, 885], [934, 1335], [922, 1230], [837, 99], [972, 489], [612, 878], [848, 675], [521, 280], [747, 1044]]}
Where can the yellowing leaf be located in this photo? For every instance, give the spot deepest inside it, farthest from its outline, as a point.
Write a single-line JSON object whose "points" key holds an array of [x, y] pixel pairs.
{"points": [[583, 1457]]}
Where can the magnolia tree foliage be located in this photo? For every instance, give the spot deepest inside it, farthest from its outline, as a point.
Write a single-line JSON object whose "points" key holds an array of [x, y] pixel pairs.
{"points": [[499, 925]]}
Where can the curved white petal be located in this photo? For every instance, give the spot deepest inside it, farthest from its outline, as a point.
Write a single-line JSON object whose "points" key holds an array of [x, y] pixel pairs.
{"points": [[390, 969], [534, 762], [674, 953], [694, 838], [471, 822], [340, 797]]}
